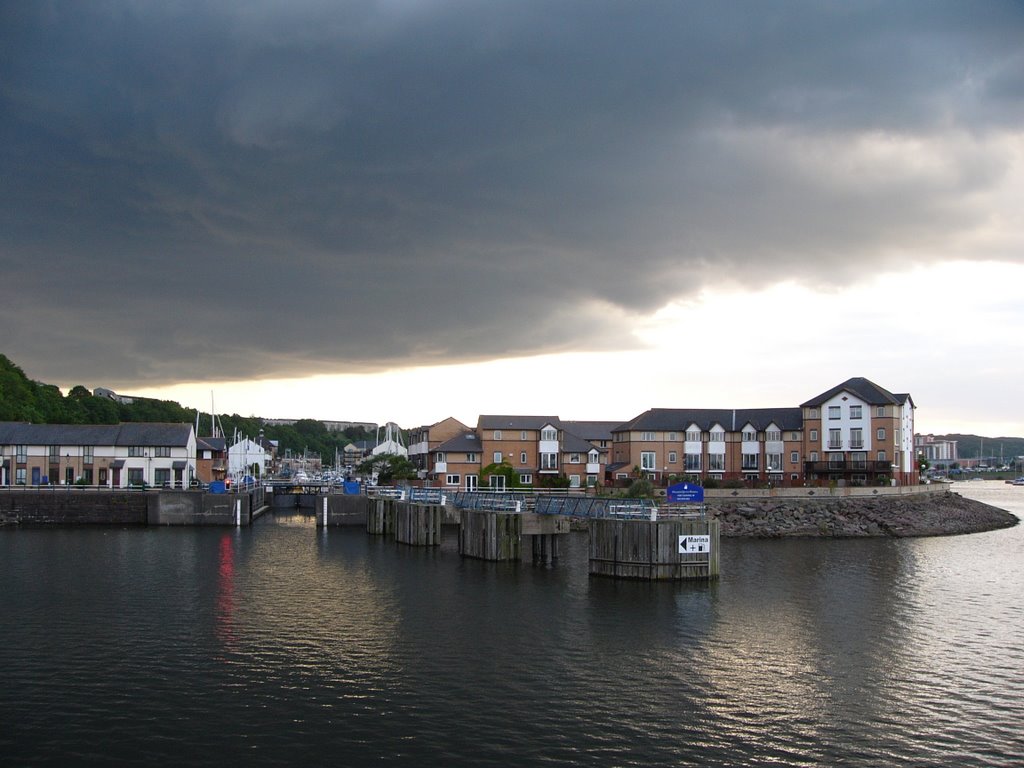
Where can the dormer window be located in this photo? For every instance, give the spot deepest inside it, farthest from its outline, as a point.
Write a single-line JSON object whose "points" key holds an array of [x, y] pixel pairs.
{"points": [[548, 434]]}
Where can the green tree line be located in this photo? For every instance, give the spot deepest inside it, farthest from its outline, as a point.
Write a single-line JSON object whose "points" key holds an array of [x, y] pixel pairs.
{"points": [[22, 399]]}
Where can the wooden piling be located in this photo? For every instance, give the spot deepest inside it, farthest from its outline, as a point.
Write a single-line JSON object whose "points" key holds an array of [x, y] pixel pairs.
{"points": [[651, 549], [418, 525]]}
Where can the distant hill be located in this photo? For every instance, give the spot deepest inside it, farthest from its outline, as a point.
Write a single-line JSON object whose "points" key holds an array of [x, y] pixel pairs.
{"points": [[996, 450], [22, 399]]}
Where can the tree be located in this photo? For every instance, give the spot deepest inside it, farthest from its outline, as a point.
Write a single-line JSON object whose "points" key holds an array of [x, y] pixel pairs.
{"points": [[388, 467], [502, 469]]}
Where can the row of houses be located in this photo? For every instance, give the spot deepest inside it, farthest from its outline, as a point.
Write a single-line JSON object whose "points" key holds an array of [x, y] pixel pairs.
{"points": [[122, 455], [856, 433]]}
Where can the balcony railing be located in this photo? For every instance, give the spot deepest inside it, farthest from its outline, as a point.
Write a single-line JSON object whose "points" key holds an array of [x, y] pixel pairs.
{"points": [[847, 466]]}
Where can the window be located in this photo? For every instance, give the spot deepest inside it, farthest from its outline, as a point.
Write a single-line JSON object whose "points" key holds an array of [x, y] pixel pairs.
{"points": [[522, 434], [880, 434], [647, 460], [87, 454], [794, 435], [749, 436], [54, 454], [773, 434], [716, 437], [497, 434], [774, 462], [136, 450], [692, 462], [716, 462], [880, 410], [526, 479], [574, 458], [814, 436], [855, 412], [574, 481], [674, 436], [452, 479], [672, 457], [835, 439], [812, 413], [162, 451], [549, 461], [749, 461], [835, 461], [647, 437], [162, 478], [693, 436], [19, 475], [856, 438], [881, 456], [794, 457], [21, 453], [549, 434], [135, 477], [471, 458], [439, 457], [859, 460], [591, 481], [522, 458], [814, 456], [497, 457], [834, 412]]}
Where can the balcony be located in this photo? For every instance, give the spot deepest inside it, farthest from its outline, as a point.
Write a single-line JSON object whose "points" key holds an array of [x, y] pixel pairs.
{"points": [[824, 467]]}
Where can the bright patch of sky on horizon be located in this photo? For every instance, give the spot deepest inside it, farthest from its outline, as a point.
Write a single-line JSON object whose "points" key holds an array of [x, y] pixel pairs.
{"points": [[379, 211]]}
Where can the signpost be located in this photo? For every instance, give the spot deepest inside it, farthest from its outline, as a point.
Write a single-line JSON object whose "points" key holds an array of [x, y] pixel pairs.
{"points": [[694, 544], [685, 492]]}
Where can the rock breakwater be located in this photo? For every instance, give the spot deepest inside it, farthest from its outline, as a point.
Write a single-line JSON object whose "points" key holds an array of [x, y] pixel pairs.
{"points": [[939, 514]]}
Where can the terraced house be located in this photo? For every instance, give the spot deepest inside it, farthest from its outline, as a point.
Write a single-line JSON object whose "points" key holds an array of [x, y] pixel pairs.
{"points": [[107, 456], [856, 433], [537, 448]]}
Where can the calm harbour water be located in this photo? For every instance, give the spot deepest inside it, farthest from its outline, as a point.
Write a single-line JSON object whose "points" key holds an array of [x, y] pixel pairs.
{"points": [[284, 645]]}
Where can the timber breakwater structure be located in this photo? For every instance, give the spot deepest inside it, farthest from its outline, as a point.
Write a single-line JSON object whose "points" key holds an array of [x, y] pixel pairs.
{"points": [[628, 538]]}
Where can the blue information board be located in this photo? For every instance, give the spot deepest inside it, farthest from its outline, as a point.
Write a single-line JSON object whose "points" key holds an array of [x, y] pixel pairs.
{"points": [[684, 492]]}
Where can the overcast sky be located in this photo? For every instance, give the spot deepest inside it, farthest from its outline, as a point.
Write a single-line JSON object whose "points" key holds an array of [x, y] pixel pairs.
{"points": [[406, 209]]}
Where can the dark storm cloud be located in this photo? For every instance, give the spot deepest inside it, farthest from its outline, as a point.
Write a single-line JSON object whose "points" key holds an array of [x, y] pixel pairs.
{"points": [[206, 191]]}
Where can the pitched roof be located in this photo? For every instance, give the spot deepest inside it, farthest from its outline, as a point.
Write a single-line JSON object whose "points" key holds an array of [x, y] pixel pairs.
{"points": [[126, 434], [468, 441], [591, 430], [490, 421], [862, 388], [573, 444], [732, 420]]}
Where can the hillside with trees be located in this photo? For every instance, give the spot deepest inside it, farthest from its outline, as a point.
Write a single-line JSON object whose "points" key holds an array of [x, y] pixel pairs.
{"points": [[22, 399]]}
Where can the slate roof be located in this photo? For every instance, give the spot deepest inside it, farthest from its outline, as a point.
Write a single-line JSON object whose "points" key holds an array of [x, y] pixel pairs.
{"points": [[731, 420], [127, 434], [591, 430], [490, 421], [574, 444], [212, 444], [467, 441], [862, 388]]}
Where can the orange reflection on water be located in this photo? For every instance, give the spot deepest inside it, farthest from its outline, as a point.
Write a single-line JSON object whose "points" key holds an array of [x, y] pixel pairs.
{"points": [[225, 625]]}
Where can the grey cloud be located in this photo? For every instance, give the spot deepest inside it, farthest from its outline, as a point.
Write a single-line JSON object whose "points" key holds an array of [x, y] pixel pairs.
{"points": [[193, 191]]}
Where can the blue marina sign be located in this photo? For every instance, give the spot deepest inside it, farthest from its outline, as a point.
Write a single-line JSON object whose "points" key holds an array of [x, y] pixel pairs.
{"points": [[685, 492]]}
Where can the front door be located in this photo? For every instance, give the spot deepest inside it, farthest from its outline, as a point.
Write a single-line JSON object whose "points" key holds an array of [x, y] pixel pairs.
{"points": [[471, 482]]}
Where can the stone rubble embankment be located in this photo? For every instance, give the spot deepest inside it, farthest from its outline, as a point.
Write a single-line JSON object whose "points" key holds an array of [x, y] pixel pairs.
{"points": [[940, 514]]}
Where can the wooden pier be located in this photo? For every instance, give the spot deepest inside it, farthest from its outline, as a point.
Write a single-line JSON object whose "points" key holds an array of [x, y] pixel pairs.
{"points": [[654, 550]]}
